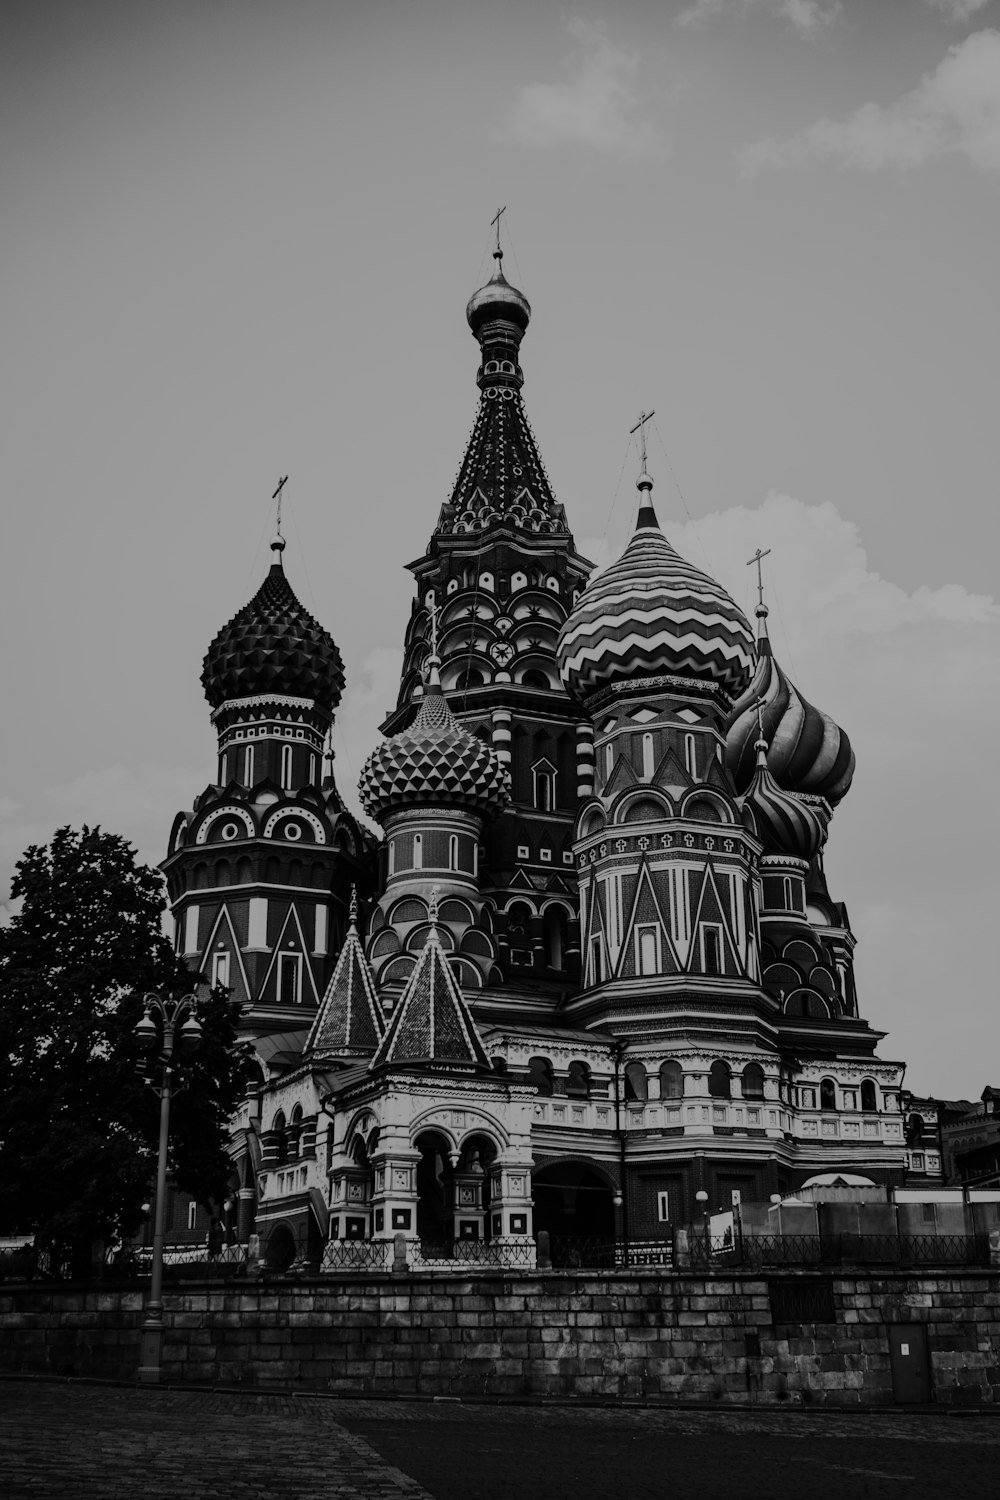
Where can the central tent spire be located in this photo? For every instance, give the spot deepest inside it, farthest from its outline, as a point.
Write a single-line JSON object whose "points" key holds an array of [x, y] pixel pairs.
{"points": [[501, 477]]}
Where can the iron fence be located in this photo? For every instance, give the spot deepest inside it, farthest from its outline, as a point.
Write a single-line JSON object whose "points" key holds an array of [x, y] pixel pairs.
{"points": [[762, 1250], [500, 1253]]}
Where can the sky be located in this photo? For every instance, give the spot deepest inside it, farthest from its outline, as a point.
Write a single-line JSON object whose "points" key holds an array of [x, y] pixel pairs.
{"points": [[239, 240]]}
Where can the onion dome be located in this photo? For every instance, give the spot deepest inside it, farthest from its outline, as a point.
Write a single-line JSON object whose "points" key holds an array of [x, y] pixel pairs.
{"points": [[498, 300], [273, 645], [435, 760], [650, 613], [786, 822], [807, 751]]}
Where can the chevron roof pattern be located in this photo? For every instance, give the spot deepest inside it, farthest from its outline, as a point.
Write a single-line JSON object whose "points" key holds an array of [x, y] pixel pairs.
{"points": [[434, 760], [807, 751], [432, 1022], [273, 645], [652, 612], [349, 1019]]}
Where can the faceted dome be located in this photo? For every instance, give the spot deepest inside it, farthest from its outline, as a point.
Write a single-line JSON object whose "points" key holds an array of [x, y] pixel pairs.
{"points": [[654, 613], [786, 822], [807, 751], [498, 299], [435, 760], [273, 645]]}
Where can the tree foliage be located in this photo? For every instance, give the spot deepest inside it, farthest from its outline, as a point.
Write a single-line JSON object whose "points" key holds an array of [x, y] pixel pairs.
{"points": [[78, 1127]]}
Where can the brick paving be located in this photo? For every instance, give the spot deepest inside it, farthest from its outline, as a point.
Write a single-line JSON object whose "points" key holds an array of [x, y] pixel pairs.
{"points": [[90, 1442]]}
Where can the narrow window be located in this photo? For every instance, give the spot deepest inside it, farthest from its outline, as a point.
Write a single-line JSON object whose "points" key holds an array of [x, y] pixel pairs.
{"points": [[827, 1094], [312, 767], [609, 760], [220, 968], [578, 1081], [543, 791], [720, 1082], [869, 1103], [286, 767], [453, 852], [636, 1083], [690, 760], [289, 979], [418, 851], [192, 1215], [248, 766], [596, 966], [663, 1207], [647, 757], [711, 949], [647, 945], [392, 856]]}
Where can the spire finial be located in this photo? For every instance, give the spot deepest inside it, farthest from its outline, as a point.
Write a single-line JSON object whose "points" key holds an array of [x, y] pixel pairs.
{"points": [[761, 743], [352, 910], [278, 541], [432, 905], [495, 223], [644, 484], [761, 610]]}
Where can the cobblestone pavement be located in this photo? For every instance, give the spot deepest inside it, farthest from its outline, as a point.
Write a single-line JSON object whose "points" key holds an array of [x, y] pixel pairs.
{"points": [[87, 1442]]}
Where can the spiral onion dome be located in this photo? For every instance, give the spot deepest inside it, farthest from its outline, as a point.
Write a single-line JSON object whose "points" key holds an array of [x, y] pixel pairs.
{"points": [[498, 300], [653, 613], [787, 823], [435, 760], [807, 751], [273, 645]]}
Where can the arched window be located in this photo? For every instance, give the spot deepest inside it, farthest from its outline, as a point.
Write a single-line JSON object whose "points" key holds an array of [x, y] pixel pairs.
{"points": [[519, 933], [312, 767], [671, 1080], [753, 1081], [711, 947], [827, 1094], [636, 1085], [286, 767], [295, 1131], [720, 1081], [544, 780], [280, 1138], [554, 923], [453, 851], [392, 856], [869, 1098], [690, 759], [418, 851], [470, 679], [540, 1074], [534, 679], [248, 766], [578, 1080]]}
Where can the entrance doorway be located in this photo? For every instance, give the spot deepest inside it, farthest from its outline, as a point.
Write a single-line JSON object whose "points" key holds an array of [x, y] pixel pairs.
{"points": [[573, 1200]]}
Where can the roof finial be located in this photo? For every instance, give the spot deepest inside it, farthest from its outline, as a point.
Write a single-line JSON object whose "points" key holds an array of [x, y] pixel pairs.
{"points": [[278, 541], [761, 610], [352, 910], [761, 743], [644, 484], [433, 660], [495, 223], [432, 905]]}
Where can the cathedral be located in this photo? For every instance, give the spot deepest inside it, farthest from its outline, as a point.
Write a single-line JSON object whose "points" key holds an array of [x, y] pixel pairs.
{"points": [[588, 977]]}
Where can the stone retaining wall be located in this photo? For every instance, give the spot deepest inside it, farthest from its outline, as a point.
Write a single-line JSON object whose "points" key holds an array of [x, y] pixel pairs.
{"points": [[671, 1336]]}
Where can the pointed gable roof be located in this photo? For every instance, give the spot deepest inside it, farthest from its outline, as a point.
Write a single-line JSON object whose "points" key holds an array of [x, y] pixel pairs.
{"points": [[432, 1022], [350, 1017]]}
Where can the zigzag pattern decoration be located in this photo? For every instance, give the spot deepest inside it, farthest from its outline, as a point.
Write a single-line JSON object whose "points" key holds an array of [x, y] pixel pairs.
{"points": [[652, 612]]}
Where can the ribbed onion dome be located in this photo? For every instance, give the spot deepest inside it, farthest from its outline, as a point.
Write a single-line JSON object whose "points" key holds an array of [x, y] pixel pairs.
{"points": [[651, 613], [787, 823], [273, 645], [498, 299], [435, 760], [807, 751]]}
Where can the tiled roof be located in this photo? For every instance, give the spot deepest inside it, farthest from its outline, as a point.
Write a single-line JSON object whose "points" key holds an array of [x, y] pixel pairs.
{"points": [[350, 1016], [432, 1022]]}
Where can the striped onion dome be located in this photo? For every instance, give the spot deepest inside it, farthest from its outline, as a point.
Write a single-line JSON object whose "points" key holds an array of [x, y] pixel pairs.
{"points": [[435, 760], [807, 751], [652, 612], [787, 823]]}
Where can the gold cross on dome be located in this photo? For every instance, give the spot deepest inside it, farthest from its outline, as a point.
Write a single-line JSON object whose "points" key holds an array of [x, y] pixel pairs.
{"points": [[640, 428], [495, 222], [278, 496], [757, 558]]}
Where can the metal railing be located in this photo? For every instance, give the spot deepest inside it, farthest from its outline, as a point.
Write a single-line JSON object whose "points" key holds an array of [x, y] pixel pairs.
{"points": [[754, 1251]]}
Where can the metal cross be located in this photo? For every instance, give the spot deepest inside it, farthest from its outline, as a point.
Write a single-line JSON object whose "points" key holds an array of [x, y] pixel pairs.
{"points": [[496, 221], [640, 428], [277, 496], [757, 557]]}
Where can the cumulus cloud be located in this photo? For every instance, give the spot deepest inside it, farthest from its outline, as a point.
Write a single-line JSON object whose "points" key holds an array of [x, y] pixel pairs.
{"points": [[804, 15], [596, 104], [955, 110]]}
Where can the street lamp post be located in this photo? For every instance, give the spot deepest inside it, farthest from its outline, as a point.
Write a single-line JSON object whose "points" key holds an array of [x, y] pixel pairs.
{"points": [[178, 1027], [701, 1198]]}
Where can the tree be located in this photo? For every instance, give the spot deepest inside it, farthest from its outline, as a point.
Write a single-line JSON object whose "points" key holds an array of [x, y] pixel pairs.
{"points": [[78, 1128]]}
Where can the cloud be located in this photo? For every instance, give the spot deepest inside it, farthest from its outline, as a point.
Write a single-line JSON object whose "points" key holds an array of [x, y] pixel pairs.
{"points": [[958, 10], [954, 110], [596, 105], [804, 15], [371, 694]]}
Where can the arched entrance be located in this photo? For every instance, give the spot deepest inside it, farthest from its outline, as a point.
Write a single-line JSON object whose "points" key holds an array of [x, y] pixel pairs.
{"points": [[281, 1248], [434, 1183], [573, 1200]]}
